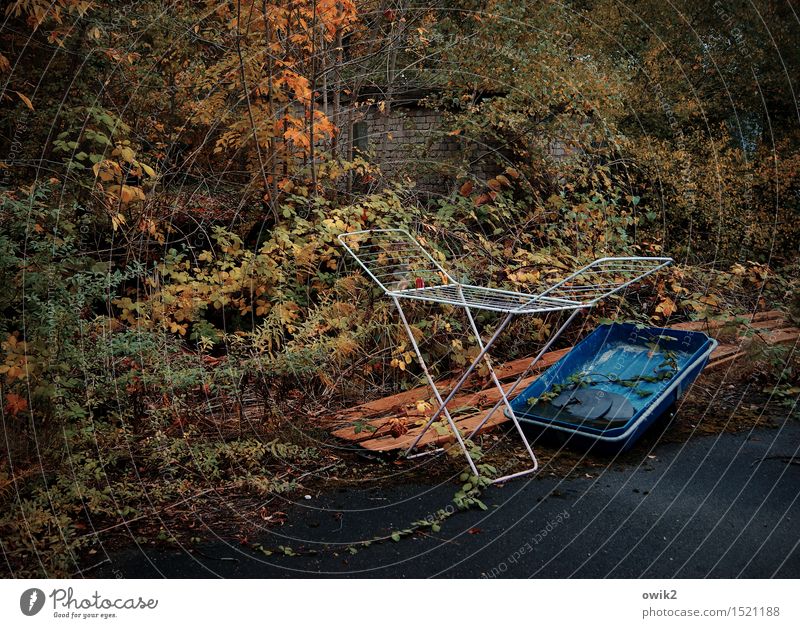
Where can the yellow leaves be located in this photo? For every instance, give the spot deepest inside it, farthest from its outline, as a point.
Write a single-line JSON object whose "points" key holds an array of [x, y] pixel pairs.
{"points": [[400, 363], [524, 277], [403, 357], [129, 193], [13, 344], [423, 406], [323, 127], [121, 56], [117, 221], [16, 364], [555, 201], [345, 346], [336, 225], [262, 307], [129, 310], [288, 313], [498, 182], [148, 225], [25, 99], [302, 40], [107, 170], [219, 301], [666, 307], [126, 153], [110, 171], [176, 328], [396, 427], [13, 371], [334, 15], [300, 86], [298, 136], [306, 256], [703, 303]]}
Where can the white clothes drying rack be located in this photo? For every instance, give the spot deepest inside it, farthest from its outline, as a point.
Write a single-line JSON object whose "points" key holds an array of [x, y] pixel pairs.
{"points": [[398, 263]]}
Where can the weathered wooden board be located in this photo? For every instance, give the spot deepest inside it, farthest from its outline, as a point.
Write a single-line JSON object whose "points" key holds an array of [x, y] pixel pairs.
{"points": [[380, 419]]}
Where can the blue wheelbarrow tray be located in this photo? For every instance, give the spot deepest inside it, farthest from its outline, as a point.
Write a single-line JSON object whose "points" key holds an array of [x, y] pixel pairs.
{"points": [[615, 383]]}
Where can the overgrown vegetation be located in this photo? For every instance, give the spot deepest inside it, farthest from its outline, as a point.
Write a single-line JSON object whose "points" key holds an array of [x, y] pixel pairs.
{"points": [[172, 182]]}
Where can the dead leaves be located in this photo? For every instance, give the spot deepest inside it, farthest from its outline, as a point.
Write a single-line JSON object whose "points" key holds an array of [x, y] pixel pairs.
{"points": [[16, 364], [666, 307], [15, 404], [396, 427], [25, 99], [107, 170]]}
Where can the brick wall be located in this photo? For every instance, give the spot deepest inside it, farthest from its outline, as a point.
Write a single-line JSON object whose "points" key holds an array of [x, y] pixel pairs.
{"points": [[411, 141]]}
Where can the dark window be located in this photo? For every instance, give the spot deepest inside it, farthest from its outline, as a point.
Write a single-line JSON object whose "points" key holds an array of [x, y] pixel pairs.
{"points": [[360, 138]]}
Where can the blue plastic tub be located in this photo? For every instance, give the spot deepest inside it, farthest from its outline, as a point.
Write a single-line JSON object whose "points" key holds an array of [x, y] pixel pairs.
{"points": [[615, 383]]}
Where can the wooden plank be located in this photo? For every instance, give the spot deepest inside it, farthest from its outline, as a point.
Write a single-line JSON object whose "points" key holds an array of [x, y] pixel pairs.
{"points": [[385, 442], [432, 437], [788, 335], [726, 354], [761, 320], [716, 364], [723, 351], [396, 404], [481, 398], [763, 316], [776, 323], [377, 413]]}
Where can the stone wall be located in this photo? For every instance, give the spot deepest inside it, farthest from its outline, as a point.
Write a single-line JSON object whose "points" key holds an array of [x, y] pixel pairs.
{"points": [[410, 141]]}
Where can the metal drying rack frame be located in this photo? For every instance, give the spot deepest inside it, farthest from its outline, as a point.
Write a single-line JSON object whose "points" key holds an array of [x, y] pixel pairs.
{"points": [[398, 263]]}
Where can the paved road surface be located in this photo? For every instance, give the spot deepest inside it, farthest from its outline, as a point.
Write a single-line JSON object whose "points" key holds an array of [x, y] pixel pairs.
{"points": [[717, 506]]}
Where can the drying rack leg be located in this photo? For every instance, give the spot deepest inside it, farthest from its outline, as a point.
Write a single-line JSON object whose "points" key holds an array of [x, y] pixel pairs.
{"points": [[524, 374], [442, 403], [503, 396]]}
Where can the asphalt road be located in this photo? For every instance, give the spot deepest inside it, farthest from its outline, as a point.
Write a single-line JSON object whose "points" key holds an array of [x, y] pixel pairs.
{"points": [[716, 506]]}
